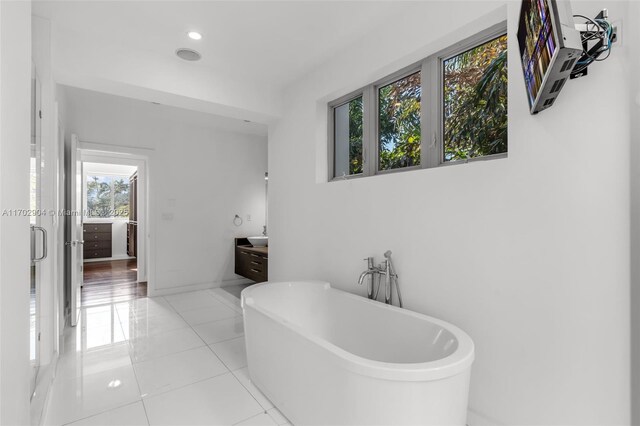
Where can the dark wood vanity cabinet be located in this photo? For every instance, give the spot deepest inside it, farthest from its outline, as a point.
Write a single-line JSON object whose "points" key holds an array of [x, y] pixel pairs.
{"points": [[133, 197], [251, 262], [97, 240], [132, 236]]}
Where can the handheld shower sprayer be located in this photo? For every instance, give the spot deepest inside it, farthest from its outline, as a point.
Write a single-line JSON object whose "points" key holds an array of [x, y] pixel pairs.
{"points": [[392, 270]]}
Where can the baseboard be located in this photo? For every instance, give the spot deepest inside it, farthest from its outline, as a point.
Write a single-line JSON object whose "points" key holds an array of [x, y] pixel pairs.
{"points": [[476, 419], [235, 281], [108, 259], [195, 287]]}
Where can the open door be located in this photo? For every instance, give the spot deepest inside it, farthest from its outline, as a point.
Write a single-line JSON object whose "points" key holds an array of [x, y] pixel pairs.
{"points": [[75, 241]]}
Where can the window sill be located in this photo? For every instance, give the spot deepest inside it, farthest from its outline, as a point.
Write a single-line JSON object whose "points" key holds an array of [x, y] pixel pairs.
{"points": [[415, 168], [474, 160]]}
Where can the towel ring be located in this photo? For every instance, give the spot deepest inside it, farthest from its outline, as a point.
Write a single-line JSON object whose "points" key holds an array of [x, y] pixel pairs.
{"points": [[237, 220]]}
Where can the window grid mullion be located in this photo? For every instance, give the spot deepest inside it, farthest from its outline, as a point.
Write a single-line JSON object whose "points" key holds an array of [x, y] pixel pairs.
{"points": [[370, 128], [366, 132], [331, 151], [113, 197], [425, 114], [435, 137]]}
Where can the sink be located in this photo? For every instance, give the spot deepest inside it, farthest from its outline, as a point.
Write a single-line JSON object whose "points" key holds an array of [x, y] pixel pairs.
{"points": [[259, 241]]}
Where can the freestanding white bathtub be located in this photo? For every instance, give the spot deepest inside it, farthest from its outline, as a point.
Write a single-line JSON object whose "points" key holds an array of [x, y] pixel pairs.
{"points": [[328, 357]]}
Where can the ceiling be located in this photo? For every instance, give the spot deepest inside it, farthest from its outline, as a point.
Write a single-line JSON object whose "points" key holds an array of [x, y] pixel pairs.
{"points": [[272, 42], [255, 47]]}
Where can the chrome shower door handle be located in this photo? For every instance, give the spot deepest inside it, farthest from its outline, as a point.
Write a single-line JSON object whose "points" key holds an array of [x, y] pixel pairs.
{"points": [[44, 243]]}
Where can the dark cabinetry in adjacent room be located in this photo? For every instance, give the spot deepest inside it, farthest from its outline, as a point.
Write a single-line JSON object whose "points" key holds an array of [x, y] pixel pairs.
{"points": [[132, 225], [251, 262], [97, 240], [132, 235]]}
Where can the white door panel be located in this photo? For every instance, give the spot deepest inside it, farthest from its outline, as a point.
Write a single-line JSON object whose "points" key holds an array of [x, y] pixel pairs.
{"points": [[76, 242]]}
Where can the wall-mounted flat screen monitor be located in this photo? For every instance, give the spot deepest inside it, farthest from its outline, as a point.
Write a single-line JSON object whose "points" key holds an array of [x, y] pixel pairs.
{"points": [[549, 48]]}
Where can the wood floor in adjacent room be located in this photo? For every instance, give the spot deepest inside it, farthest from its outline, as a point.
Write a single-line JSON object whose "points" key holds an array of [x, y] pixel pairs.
{"points": [[111, 281]]}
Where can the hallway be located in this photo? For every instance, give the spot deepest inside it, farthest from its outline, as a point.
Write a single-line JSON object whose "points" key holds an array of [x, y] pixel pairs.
{"points": [[178, 359], [111, 281]]}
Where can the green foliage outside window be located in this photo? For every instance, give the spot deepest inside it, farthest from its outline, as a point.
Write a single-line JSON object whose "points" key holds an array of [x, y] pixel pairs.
{"points": [[107, 196], [475, 102], [98, 196], [121, 197], [355, 136], [399, 123]]}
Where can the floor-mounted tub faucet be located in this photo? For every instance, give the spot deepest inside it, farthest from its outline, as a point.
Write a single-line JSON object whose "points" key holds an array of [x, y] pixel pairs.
{"points": [[385, 269], [371, 270]]}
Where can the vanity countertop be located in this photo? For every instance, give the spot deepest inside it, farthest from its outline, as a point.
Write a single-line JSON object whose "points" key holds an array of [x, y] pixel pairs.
{"points": [[259, 250]]}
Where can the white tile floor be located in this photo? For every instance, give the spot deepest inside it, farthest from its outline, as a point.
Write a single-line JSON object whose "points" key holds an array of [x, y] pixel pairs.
{"points": [[177, 360]]}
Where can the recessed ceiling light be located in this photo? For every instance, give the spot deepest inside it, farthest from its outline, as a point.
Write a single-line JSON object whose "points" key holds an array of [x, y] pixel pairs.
{"points": [[188, 54], [194, 35]]}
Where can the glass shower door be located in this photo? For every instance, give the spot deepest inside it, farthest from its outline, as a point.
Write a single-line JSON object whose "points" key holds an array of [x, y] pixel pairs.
{"points": [[38, 234]]}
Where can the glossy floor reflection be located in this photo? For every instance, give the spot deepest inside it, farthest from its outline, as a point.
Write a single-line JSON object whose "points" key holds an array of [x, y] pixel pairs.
{"points": [[175, 360]]}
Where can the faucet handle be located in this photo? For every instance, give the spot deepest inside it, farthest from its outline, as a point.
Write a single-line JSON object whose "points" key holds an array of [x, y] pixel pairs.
{"points": [[369, 262]]}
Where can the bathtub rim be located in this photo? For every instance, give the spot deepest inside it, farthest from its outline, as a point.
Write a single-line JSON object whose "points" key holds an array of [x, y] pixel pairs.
{"points": [[456, 363]]}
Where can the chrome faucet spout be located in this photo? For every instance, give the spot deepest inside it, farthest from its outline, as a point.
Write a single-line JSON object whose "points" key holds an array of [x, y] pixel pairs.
{"points": [[370, 271], [363, 275]]}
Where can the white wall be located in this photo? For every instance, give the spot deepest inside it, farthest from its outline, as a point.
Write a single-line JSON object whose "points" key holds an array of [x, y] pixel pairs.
{"points": [[528, 254], [15, 108], [199, 178], [119, 240]]}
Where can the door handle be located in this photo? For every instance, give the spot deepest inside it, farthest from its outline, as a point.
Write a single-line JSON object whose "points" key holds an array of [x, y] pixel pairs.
{"points": [[44, 243]]}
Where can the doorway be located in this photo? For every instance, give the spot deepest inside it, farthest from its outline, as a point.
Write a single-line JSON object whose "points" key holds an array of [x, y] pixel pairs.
{"points": [[111, 281], [110, 222], [112, 238]]}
